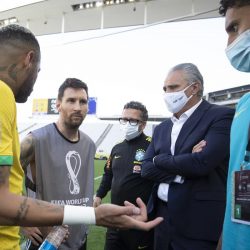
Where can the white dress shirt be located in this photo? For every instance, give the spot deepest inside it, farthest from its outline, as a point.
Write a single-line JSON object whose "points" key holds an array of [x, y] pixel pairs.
{"points": [[177, 126]]}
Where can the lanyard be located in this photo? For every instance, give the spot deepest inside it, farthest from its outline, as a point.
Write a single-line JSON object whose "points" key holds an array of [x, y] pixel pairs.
{"points": [[246, 161], [247, 153], [248, 144]]}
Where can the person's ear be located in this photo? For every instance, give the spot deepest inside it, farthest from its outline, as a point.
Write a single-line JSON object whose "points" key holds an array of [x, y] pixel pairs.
{"points": [[58, 105], [143, 125], [29, 58], [196, 88]]}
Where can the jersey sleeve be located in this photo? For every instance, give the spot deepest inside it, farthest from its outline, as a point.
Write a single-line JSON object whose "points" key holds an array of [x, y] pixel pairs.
{"points": [[7, 114]]}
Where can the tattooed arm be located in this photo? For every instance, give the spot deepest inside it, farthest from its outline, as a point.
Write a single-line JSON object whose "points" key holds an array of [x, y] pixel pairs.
{"points": [[19, 210], [27, 155], [24, 211], [27, 158]]}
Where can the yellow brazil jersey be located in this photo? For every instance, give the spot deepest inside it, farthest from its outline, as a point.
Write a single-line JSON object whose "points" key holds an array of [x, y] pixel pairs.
{"points": [[9, 156]]}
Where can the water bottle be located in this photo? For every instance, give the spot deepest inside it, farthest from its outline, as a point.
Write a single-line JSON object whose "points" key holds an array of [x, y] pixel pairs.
{"points": [[54, 238]]}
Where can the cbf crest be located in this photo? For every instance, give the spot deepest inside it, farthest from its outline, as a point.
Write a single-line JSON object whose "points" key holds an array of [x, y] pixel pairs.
{"points": [[139, 155]]}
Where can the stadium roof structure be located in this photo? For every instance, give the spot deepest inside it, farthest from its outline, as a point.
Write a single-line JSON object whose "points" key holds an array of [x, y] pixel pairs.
{"points": [[60, 16], [228, 97]]}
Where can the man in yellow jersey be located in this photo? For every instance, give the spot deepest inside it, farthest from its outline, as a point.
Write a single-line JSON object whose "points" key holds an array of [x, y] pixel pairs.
{"points": [[13, 79], [19, 67]]}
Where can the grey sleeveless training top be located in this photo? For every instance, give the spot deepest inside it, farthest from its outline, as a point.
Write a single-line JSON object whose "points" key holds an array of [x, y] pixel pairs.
{"points": [[65, 174]]}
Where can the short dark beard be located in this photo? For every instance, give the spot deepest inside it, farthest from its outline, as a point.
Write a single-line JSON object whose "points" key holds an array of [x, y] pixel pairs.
{"points": [[72, 126]]}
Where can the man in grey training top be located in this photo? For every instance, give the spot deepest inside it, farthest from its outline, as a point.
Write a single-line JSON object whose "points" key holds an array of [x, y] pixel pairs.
{"points": [[61, 160]]}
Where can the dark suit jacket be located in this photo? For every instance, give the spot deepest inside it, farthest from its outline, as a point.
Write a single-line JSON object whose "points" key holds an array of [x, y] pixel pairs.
{"points": [[196, 207]]}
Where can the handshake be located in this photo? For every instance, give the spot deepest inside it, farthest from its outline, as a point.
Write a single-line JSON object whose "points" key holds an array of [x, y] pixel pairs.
{"points": [[125, 217], [107, 215]]}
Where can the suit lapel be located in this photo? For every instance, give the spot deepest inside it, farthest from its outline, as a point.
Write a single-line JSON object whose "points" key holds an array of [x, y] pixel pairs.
{"points": [[191, 124]]}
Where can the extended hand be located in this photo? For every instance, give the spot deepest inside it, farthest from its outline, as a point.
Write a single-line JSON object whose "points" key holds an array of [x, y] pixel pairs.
{"points": [[142, 216], [97, 201], [34, 234], [126, 217]]}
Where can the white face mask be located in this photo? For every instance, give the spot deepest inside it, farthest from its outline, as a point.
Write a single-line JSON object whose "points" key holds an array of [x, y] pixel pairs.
{"points": [[175, 101], [130, 132], [238, 52]]}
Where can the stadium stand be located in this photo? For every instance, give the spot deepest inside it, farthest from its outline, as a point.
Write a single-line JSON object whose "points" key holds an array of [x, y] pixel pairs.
{"points": [[227, 97], [106, 133]]}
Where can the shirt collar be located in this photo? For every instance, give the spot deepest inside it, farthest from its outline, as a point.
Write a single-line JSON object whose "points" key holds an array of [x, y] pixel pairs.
{"points": [[187, 113]]}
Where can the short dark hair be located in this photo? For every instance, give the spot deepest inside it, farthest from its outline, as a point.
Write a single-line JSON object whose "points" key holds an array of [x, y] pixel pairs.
{"points": [[71, 83], [14, 34], [227, 4], [138, 106]]}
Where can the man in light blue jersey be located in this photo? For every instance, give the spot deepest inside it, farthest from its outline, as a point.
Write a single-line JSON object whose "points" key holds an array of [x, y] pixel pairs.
{"points": [[236, 229]]}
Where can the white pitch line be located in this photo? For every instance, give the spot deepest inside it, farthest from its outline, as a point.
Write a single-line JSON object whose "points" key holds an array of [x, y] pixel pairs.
{"points": [[98, 177]]}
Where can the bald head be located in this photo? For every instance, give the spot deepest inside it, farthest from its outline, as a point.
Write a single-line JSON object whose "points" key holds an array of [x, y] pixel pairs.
{"points": [[19, 60]]}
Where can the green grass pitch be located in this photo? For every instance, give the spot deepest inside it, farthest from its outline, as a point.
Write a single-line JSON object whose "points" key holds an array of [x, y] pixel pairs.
{"points": [[96, 237]]}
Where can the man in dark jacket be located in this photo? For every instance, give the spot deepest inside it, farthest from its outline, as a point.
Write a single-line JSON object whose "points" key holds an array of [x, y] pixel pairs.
{"points": [[122, 175], [188, 160]]}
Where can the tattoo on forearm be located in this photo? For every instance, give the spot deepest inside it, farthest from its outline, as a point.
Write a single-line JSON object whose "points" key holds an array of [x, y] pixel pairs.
{"points": [[27, 151], [49, 206], [23, 210]]}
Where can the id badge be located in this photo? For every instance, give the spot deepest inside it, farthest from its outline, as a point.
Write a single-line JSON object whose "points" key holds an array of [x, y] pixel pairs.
{"points": [[241, 197]]}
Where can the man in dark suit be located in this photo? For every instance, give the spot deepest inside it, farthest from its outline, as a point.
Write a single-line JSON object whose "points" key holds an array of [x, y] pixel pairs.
{"points": [[188, 160]]}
